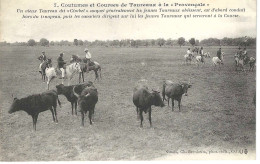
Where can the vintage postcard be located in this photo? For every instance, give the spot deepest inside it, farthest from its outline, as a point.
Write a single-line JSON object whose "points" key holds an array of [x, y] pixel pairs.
{"points": [[128, 80]]}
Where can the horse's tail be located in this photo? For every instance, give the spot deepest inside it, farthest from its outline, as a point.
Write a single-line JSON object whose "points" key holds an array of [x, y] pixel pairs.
{"points": [[59, 101], [163, 91]]}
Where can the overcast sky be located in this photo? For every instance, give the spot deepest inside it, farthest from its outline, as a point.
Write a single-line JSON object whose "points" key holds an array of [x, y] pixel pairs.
{"points": [[13, 28]]}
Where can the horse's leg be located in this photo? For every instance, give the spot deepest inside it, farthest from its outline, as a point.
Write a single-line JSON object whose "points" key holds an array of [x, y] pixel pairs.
{"points": [[100, 73], [79, 76], [83, 77], [96, 74]]}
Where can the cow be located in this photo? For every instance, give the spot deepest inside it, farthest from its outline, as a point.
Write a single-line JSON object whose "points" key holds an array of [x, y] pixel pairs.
{"points": [[143, 99], [175, 91], [216, 61], [87, 101], [68, 93], [37, 103]]}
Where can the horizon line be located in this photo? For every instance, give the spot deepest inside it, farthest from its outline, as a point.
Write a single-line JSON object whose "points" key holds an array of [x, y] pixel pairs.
{"points": [[1, 41]]}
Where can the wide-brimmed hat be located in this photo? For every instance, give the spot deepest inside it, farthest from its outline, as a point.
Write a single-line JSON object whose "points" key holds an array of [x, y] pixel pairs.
{"points": [[61, 53], [86, 49], [43, 52]]}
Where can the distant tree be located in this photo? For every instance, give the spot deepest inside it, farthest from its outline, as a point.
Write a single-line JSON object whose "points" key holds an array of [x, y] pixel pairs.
{"points": [[31, 42], [80, 42], [197, 43], [75, 42], [44, 42], [169, 42], [181, 41], [160, 42], [52, 43], [87, 43], [146, 43], [192, 41], [133, 43], [152, 42]]}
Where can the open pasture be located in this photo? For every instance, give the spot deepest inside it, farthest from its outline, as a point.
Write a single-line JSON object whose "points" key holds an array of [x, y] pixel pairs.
{"points": [[217, 114]]}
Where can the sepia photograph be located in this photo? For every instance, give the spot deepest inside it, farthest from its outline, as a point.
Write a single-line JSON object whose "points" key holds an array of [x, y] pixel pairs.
{"points": [[131, 80]]}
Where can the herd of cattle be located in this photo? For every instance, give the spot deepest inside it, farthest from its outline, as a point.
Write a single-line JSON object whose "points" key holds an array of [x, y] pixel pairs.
{"points": [[85, 95]]}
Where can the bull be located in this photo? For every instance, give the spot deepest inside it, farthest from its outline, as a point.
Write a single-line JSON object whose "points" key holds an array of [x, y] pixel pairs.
{"points": [[67, 91], [37, 103], [175, 91], [87, 101], [143, 100]]}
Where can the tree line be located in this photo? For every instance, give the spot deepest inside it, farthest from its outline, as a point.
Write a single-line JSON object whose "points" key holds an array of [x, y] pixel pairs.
{"points": [[240, 41]]}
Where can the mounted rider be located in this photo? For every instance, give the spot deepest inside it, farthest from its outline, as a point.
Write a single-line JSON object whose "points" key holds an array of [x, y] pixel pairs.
{"points": [[219, 54], [88, 58], [189, 52], [201, 54], [61, 65], [42, 57], [240, 53]]}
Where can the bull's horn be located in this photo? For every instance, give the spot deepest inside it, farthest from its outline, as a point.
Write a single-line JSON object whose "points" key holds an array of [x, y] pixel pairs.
{"points": [[87, 95], [75, 92]]}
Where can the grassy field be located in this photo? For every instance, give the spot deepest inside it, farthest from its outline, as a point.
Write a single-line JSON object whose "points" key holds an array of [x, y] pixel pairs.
{"points": [[218, 113]]}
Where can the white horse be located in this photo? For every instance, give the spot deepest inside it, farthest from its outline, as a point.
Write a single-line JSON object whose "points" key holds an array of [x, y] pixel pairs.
{"points": [[70, 70], [200, 59], [188, 58], [216, 61]]}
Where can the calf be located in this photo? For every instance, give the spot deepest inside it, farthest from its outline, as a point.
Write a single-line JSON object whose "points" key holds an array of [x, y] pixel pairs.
{"points": [[143, 100], [175, 91], [67, 91], [37, 103], [87, 101]]}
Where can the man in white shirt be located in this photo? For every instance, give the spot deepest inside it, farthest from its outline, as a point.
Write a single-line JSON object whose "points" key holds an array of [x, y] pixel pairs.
{"points": [[189, 52], [88, 57]]}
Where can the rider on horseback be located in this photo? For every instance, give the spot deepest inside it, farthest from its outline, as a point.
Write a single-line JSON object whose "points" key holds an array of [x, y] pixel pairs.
{"points": [[240, 53], [61, 65], [189, 52], [88, 57], [219, 54], [201, 54]]}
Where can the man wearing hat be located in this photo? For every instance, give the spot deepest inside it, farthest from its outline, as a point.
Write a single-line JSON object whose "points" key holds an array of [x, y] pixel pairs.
{"points": [[201, 53], [240, 53], [88, 57], [189, 52], [61, 65], [219, 54], [244, 53], [43, 56]]}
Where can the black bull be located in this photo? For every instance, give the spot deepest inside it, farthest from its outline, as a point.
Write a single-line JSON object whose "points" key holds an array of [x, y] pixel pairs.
{"points": [[175, 92], [143, 100], [35, 104]]}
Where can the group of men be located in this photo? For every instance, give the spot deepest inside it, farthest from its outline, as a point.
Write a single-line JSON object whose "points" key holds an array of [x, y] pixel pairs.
{"points": [[241, 54], [61, 63]]}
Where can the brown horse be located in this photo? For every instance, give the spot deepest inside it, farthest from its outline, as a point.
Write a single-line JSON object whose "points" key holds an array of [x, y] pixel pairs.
{"points": [[45, 64], [93, 66]]}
